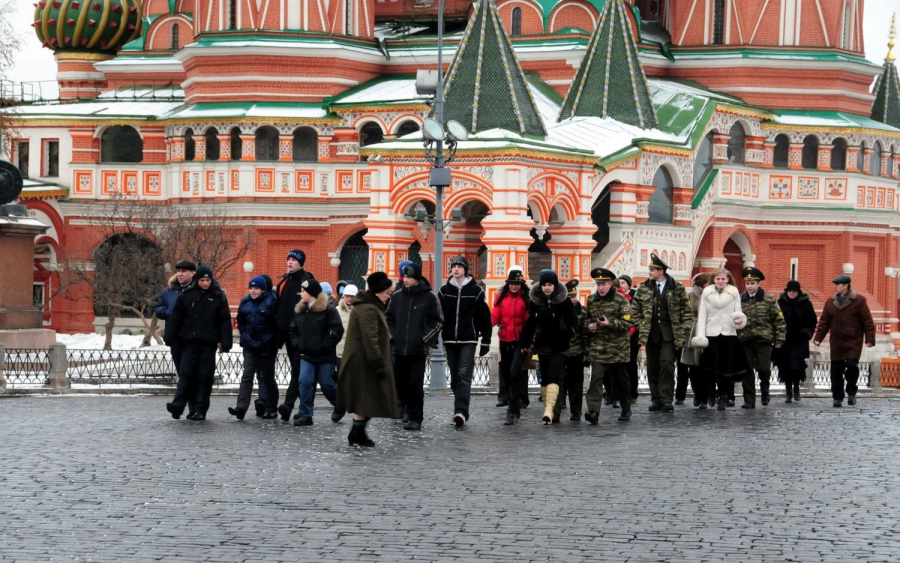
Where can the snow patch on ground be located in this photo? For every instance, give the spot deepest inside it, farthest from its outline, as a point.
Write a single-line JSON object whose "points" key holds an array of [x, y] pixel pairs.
{"points": [[94, 341]]}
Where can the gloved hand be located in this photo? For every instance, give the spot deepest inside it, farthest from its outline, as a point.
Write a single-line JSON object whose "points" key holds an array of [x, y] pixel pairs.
{"points": [[381, 373], [485, 348], [587, 362]]}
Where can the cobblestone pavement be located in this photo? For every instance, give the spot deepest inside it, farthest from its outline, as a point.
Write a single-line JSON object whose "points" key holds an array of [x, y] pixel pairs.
{"points": [[116, 479]]}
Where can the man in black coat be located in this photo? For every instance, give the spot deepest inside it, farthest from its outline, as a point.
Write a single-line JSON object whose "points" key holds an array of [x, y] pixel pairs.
{"points": [[415, 319], [201, 320], [288, 292], [466, 316], [315, 333], [184, 273]]}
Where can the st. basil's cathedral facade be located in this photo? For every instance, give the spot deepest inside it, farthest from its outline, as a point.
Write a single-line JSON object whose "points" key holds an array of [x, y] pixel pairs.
{"points": [[711, 132]]}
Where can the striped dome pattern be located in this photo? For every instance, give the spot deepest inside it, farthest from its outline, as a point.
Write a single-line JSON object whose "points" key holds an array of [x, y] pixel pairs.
{"points": [[100, 26]]}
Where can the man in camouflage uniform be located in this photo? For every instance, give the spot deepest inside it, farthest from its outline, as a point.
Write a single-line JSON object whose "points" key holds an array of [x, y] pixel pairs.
{"points": [[606, 329], [662, 313], [573, 382], [765, 327]]}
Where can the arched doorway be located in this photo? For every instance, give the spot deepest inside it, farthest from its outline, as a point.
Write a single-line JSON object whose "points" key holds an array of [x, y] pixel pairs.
{"points": [[737, 253], [355, 259]]}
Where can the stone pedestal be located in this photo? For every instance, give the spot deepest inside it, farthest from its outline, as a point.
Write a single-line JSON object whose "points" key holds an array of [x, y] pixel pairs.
{"points": [[20, 320]]}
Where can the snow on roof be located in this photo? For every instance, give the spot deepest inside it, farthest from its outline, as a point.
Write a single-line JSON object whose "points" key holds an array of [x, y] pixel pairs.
{"points": [[97, 110], [143, 93], [604, 136], [386, 91], [260, 110]]}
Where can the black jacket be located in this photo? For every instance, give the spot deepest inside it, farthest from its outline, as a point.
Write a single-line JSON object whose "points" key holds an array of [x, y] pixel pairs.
{"points": [[415, 318], [800, 318], [466, 314], [288, 292], [316, 331], [200, 317], [551, 321]]}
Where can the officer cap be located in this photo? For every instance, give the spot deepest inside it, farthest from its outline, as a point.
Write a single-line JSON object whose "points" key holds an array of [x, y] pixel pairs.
{"points": [[602, 274], [572, 287], [752, 274], [655, 262]]}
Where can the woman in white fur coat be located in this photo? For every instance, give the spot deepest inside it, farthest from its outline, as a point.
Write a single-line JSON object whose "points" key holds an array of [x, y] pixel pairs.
{"points": [[718, 321]]}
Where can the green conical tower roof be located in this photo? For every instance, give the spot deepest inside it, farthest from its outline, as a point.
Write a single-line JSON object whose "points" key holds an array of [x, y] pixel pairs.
{"points": [[485, 87], [610, 81], [886, 107]]}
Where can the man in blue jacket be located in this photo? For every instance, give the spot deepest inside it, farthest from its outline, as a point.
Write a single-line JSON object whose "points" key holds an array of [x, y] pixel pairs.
{"points": [[184, 271], [259, 339]]}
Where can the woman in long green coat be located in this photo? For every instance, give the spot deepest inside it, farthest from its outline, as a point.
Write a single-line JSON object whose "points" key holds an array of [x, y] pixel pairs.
{"points": [[366, 380]]}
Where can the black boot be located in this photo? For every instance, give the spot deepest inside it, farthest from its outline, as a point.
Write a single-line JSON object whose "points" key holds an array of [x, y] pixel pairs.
{"points": [[239, 413], [789, 398], [358, 435], [723, 400], [260, 407], [173, 410], [796, 391]]}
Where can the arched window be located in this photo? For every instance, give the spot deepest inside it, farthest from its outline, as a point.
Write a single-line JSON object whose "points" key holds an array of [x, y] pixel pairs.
{"points": [[213, 150], [875, 163], [861, 158], [703, 160], [660, 207], [845, 40], [782, 151], [232, 14], [839, 154], [719, 22], [306, 145], [736, 144], [516, 22], [369, 134], [810, 157], [407, 127], [173, 38], [355, 259], [121, 143], [190, 150], [266, 143], [236, 144]]}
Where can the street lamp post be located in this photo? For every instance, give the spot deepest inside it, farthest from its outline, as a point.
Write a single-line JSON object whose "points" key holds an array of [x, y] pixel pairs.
{"points": [[434, 136]]}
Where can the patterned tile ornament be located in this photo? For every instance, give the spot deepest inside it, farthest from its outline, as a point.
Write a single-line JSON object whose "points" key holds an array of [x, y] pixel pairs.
{"points": [[365, 182], [210, 181], [565, 268], [870, 196], [195, 184], [235, 180], [285, 182], [285, 149], [585, 268], [796, 155], [725, 183], [650, 163], [807, 188], [200, 150], [84, 183], [185, 181], [347, 149], [324, 150], [265, 181], [323, 183], [643, 257], [780, 187], [248, 148], [380, 261], [177, 150], [221, 189], [835, 188], [110, 183], [889, 199], [225, 150], [682, 260], [769, 156], [130, 180], [754, 185], [642, 210], [824, 158], [867, 161], [499, 265], [879, 198], [303, 183], [746, 181], [860, 196], [683, 213]]}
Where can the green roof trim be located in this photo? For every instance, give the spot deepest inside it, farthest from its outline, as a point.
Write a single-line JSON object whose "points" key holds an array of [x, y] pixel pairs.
{"points": [[809, 118], [886, 107], [610, 81], [486, 88], [534, 79], [232, 38], [757, 53], [707, 183]]}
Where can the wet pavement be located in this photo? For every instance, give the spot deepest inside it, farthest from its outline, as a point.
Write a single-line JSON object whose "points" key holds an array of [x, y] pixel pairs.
{"points": [[116, 479]]}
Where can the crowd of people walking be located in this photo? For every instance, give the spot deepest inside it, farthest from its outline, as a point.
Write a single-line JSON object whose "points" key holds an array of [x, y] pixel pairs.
{"points": [[367, 348]]}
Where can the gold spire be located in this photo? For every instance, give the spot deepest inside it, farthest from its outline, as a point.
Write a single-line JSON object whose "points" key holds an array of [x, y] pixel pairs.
{"points": [[892, 34]]}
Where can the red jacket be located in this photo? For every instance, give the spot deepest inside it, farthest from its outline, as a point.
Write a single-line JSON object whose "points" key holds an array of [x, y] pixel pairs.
{"points": [[510, 314], [628, 297]]}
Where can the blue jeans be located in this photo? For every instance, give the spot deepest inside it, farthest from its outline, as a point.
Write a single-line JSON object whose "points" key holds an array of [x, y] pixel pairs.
{"points": [[310, 374]]}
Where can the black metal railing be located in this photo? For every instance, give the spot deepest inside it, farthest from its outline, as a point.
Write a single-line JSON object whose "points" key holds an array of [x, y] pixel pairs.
{"points": [[25, 367], [141, 367]]}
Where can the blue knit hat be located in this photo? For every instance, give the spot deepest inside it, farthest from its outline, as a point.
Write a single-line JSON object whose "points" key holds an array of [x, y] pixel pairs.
{"points": [[298, 255], [258, 282], [326, 287], [402, 265]]}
